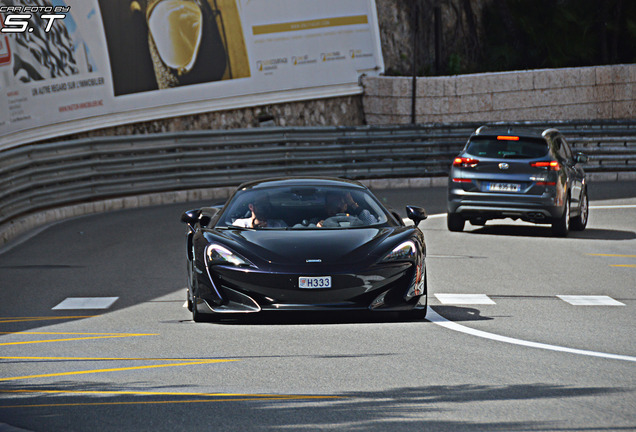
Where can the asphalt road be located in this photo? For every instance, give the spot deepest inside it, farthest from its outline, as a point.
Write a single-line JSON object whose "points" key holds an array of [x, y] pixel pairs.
{"points": [[503, 347]]}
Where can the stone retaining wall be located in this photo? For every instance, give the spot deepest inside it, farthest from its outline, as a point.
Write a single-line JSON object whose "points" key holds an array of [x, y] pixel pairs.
{"points": [[601, 92], [337, 111]]}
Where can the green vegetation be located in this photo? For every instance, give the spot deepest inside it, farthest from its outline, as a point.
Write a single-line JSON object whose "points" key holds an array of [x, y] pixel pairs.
{"points": [[530, 34]]}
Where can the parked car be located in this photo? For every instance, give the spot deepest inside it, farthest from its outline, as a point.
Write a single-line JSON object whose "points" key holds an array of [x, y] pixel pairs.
{"points": [[304, 244], [518, 173]]}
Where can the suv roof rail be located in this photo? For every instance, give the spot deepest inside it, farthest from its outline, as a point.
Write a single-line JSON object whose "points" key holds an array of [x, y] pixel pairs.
{"points": [[549, 131], [520, 130], [481, 129]]}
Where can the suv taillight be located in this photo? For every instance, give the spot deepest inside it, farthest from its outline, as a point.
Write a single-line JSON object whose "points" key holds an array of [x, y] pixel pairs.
{"points": [[465, 162], [550, 165]]}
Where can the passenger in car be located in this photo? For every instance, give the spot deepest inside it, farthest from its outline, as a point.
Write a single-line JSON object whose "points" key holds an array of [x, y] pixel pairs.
{"points": [[343, 204], [261, 211]]}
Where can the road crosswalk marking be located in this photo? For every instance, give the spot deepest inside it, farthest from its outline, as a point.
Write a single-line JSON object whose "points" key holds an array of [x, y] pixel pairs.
{"points": [[72, 303], [590, 300], [472, 299], [483, 299], [444, 298]]}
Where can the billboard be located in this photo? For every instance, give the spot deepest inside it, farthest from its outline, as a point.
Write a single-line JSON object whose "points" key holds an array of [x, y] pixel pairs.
{"points": [[68, 66]]}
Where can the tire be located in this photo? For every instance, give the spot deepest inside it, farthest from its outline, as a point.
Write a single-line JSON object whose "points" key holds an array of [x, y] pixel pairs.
{"points": [[196, 315], [455, 222], [561, 226], [189, 300], [578, 223], [189, 289]]}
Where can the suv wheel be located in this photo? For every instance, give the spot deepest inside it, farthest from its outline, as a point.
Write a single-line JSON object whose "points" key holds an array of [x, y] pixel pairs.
{"points": [[561, 226], [579, 222], [455, 222]]}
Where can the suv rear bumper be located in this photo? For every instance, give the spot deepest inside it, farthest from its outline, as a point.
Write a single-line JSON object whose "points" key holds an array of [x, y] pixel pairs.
{"points": [[538, 209]]}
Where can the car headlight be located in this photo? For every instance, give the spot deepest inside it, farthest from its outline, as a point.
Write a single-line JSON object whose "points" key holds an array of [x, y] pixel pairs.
{"points": [[403, 252], [218, 254]]}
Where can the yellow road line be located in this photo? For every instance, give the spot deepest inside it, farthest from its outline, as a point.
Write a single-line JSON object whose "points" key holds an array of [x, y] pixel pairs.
{"points": [[622, 265], [149, 393], [230, 399], [29, 319], [88, 337], [105, 358], [613, 255], [82, 333], [95, 371]]}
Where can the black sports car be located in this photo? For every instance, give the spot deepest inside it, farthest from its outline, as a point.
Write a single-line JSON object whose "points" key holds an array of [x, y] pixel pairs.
{"points": [[304, 244]]}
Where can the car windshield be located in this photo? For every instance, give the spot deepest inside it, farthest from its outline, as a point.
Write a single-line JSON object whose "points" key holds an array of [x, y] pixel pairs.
{"points": [[302, 207], [507, 149]]}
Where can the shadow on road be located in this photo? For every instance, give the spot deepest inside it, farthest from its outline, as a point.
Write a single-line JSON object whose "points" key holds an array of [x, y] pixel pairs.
{"points": [[456, 313], [546, 231], [282, 318], [64, 406]]}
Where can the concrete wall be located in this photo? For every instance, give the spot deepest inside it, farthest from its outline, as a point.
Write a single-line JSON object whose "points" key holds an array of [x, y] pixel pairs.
{"points": [[601, 92]]}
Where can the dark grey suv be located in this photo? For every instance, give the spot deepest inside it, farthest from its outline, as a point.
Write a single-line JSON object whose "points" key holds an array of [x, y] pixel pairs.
{"points": [[518, 173]]}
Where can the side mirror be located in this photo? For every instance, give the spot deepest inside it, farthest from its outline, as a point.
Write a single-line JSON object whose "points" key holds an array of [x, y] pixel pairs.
{"points": [[416, 214], [206, 215], [191, 217], [581, 158]]}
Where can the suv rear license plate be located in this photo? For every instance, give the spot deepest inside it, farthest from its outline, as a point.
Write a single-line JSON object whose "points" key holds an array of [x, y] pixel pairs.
{"points": [[314, 282], [503, 187]]}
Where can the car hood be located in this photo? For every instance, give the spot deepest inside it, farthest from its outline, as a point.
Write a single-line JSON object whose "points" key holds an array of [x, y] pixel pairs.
{"points": [[345, 246]]}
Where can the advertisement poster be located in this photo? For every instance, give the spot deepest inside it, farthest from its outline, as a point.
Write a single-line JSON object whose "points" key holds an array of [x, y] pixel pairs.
{"points": [[68, 66]]}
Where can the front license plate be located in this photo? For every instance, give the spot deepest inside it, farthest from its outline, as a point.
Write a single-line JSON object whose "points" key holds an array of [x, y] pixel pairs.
{"points": [[503, 187], [314, 282]]}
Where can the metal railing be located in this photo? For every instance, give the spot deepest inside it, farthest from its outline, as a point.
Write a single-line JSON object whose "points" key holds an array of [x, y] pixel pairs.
{"points": [[50, 175]]}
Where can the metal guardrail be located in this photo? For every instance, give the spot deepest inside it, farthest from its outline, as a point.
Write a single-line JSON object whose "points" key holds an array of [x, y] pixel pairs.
{"points": [[36, 177]]}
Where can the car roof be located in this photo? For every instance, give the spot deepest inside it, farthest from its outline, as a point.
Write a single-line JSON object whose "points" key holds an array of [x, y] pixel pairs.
{"points": [[300, 181], [520, 131]]}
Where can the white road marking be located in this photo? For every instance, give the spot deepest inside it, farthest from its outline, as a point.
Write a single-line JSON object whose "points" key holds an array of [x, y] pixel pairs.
{"points": [[590, 300], [465, 299], [625, 206], [86, 303], [435, 318], [408, 221], [605, 207]]}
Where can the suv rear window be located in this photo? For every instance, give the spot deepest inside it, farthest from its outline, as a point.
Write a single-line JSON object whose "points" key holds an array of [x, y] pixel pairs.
{"points": [[494, 148]]}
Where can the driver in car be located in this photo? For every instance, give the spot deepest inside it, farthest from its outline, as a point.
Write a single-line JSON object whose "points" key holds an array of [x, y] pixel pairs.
{"points": [[261, 210], [343, 204]]}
